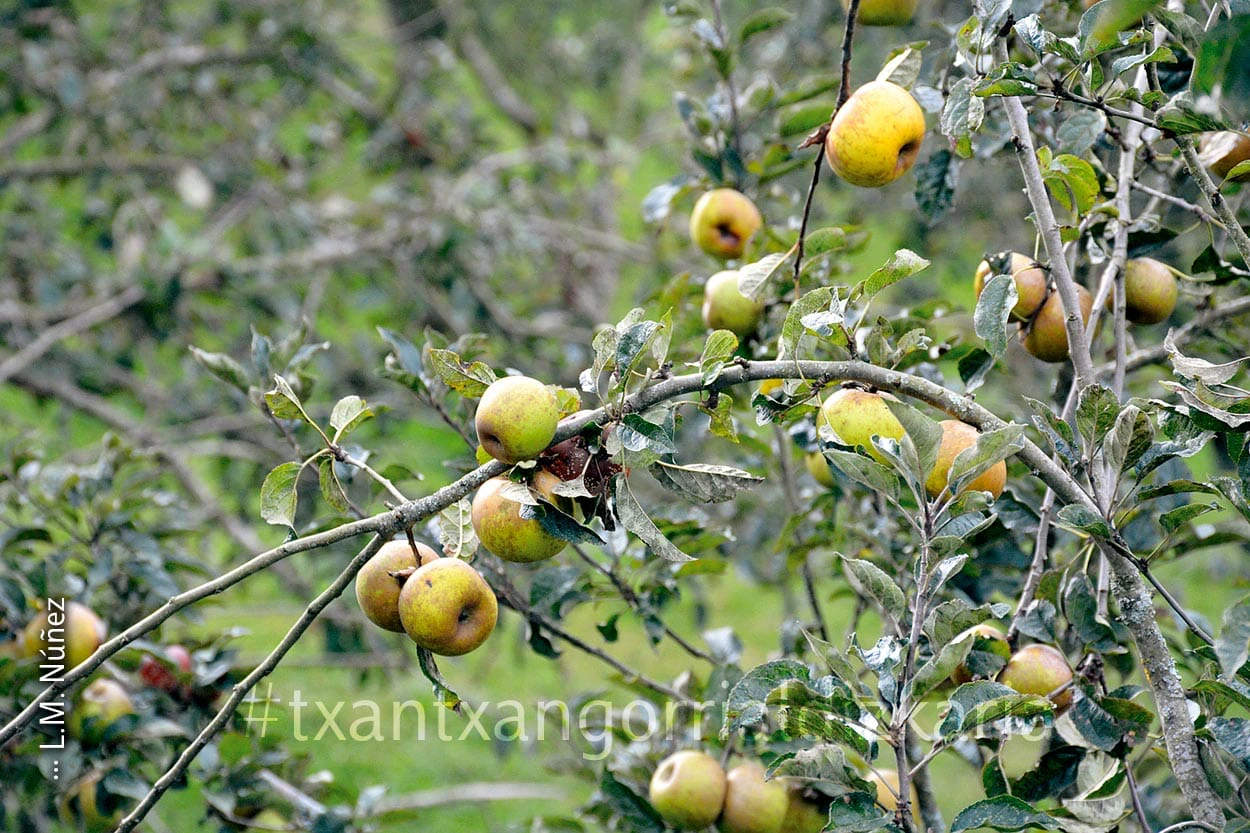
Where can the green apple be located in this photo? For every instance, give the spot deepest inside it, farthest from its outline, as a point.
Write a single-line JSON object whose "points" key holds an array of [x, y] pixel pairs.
{"points": [[884, 12], [516, 418], [99, 706], [956, 437], [805, 812], [501, 529], [875, 136], [1046, 337], [722, 221], [447, 607], [82, 806], [856, 416], [752, 804], [688, 789], [377, 590], [1039, 669], [77, 629], [985, 639], [1029, 276], [725, 308], [818, 468], [1149, 291], [1223, 151], [269, 819]]}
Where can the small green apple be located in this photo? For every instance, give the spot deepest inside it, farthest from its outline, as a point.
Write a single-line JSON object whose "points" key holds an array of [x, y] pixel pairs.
{"points": [[80, 633], [884, 12], [722, 221], [807, 811], [688, 789], [1149, 291], [377, 589], [956, 437], [1046, 337], [985, 639], [725, 308], [501, 529], [516, 418], [818, 468], [752, 804], [99, 707], [1029, 276], [447, 607], [875, 136], [1041, 670], [269, 819], [856, 416]]}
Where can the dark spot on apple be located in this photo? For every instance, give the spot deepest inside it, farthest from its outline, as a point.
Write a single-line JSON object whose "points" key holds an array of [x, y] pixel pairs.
{"points": [[727, 235], [465, 615], [429, 583]]}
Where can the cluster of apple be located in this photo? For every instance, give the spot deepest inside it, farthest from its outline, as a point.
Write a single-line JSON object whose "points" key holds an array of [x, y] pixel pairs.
{"points": [[444, 604], [1037, 668], [1150, 293]]}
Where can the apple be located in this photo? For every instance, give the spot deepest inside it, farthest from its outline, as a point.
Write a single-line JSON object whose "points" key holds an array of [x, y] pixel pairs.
{"points": [[1046, 337], [269, 819], [875, 136], [516, 418], [722, 221], [447, 607], [1039, 669], [1149, 291], [986, 639], [772, 388], [856, 416], [155, 671], [81, 632], [1223, 151], [501, 529], [818, 468], [81, 806], [688, 789], [725, 308], [804, 814], [99, 706], [377, 590], [886, 783], [1030, 280], [752, 804], [884, 12], [957, 436]]}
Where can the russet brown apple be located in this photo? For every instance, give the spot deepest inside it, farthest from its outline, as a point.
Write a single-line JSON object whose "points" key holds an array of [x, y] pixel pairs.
{"points": [[1046, 337], [1030, 279], [447, 607], [516, 418], [377, 588]]}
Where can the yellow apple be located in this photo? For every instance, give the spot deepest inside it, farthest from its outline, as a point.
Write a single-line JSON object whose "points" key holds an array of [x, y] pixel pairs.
{"points": [[688, 789], [99, 706], [447, 607], [1047, 336], [752, 804], [377, 590], [875, 136], [1029, 276], [75, 628], [956, 437], [856, 416], [725, 308], [722, 221], [516, 418], [818, 468], [1039, 669], [1221, 152], [884, 12]]}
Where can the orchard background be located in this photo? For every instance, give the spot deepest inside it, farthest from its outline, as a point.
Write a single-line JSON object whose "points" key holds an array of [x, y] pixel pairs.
{"points": [[241, 237]]}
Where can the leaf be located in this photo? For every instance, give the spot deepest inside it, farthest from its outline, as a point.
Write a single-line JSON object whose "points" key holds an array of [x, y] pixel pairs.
{"points": [[793, 328], [938, 669], [762, 21], [1079, 131], [284, 403], [702, 482], [754, 277], [635, 813], [632, 343], [1096, 413], [864, 470], [456, 535], [924, 435], [635, 519], [991, 448], [278, 494], [746, 703], [1233, 736], [937, 180], [903, 67], [1078, 517], [1072, 181], [349, 412], [442, 692], [331, 489], [1100, 27], [997, 299], [962, 116], [718, 349], [1220, 66], [970, 697], [1002, 812], [223, 367], [949, 619], [873, 582], [1200, 369], [1232, 646], [637, 434], [559, 524], [469, 380], [902, 264]]}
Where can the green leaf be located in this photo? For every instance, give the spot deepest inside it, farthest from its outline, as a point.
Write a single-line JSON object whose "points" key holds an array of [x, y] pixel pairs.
{"points": [[469, 380], [718, 349], [223, 367], [331, 489], [1232, 647], [1078, 517], [902, 264], [873, 582], [991, 447], [632, 343], [793, 329], [1100, 27], [456, 535], [1233, 736], [998, 298], [864, 470], [949, 619], [1003, 812], [924, 435], [1174, 519], [284, 403], [349, 412], [636, 434], [937, 179], [938, 669], [1180, 117], [559, 524], [1220, 66], [967, 700], [903, 66], [1096, 413], [1079, 131], [962, 116], [704, 483], [636, 520], [720, 418], [762, 21], [442, 692], [278, 494], [634, 812], [1072, 181], [746, 704], [755, 277]]}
